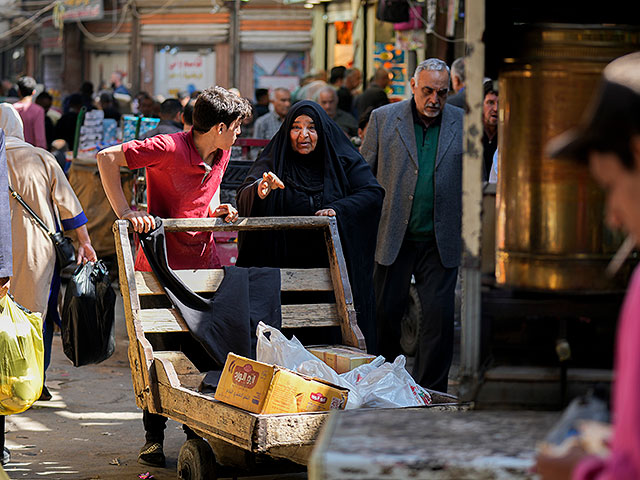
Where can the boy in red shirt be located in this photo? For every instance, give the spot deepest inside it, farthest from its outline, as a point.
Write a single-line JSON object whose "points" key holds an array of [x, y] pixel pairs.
{"points": [[184, 170]]}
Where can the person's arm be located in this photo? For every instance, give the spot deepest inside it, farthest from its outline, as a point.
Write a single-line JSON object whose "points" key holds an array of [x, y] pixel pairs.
{"points": [[86, 253], [109, 162]]}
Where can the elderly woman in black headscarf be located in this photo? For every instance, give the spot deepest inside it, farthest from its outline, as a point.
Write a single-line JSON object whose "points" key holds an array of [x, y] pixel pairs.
{"points": [[311, 168]]}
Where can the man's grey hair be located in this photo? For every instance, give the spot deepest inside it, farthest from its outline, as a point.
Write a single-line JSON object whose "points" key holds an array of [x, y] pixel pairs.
{"points": [[327, 88], [457, 69], [278, 89], [431, 64]]}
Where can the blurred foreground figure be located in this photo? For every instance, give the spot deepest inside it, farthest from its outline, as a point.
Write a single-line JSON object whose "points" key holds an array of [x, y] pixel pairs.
{"points": [[608, 140]]}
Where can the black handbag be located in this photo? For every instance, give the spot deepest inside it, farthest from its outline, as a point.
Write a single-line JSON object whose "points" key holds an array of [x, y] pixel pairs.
{"points": [[88, 315], [65, 251]]}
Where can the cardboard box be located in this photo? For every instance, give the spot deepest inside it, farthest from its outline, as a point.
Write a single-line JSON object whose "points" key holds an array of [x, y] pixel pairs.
{"points": [[341, 358], [261, 388]]}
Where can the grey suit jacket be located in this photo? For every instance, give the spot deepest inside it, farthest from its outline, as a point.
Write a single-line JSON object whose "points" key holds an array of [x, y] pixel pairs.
{"points": [[390, 149]]}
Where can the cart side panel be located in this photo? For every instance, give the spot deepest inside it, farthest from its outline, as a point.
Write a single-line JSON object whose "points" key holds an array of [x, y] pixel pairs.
{"points": [[351, 333], [140, 351]]}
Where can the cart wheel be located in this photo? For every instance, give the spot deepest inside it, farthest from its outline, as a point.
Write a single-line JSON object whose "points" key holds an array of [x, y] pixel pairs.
{"points": [[411, 322], [196, 461]]}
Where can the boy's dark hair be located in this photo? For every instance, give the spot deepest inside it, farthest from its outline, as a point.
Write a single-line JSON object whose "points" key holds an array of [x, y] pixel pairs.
{"points": [[337, 73], [26, 86], [363, 120], [217, 105], [170, 107], [187, 113]]}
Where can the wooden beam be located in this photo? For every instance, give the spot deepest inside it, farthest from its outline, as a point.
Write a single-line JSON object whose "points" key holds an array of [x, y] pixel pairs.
{"points": [[291, 280], [161, 320], [243, 223]]}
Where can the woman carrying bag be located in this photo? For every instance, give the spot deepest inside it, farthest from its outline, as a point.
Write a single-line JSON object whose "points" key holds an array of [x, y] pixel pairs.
{"points": [[36, 176]]}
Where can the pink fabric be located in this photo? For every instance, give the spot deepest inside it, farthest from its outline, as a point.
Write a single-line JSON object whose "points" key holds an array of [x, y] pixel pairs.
{"points": [[33, 122], [624, 461], [178, 186]]}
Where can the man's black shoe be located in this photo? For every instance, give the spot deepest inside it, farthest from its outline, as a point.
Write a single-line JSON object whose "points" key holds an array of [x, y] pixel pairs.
{"points": [[152, 455]]}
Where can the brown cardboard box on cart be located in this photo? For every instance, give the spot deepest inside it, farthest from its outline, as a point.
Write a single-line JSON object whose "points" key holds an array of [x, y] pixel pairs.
{"points": [[262, 388], [340, 357]]}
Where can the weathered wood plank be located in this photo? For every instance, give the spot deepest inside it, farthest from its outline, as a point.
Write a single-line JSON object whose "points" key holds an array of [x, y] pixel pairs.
{"points": [[351, 334], [140, 352], [158, 320], [181, 363], [174, 368], [206, 415], [291, 279], [244, 223]]}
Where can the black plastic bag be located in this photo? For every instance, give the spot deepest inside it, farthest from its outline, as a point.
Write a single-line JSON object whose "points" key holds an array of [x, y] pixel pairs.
{"points": [[88, 327]]}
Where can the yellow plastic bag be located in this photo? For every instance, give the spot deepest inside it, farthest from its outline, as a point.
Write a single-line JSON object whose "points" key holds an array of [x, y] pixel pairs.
{"points": [[21, 357]]}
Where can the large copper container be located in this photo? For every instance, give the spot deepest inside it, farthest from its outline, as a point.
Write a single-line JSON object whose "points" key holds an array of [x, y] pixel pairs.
{"points": [[550, 232]]}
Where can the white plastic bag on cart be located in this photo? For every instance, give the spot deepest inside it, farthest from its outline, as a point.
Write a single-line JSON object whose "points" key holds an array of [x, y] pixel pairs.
{"points": [[377, 384], [276, 349], [391, 386]]}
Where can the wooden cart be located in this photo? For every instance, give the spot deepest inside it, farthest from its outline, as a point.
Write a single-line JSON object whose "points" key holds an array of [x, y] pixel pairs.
{"points": [[166, 382]]}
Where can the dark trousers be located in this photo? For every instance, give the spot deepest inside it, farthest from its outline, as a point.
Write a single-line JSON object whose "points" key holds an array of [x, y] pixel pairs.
{"points": [[436, 289], [155, 424], [2, 424]]}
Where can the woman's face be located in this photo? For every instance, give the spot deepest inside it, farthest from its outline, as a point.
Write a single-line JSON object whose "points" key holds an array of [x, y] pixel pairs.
{"points": [[304, 137]]}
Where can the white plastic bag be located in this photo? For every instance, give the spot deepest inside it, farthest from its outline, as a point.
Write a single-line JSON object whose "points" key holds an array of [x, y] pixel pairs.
{"points": [[391, 386], [376, 384], [276, 349]]}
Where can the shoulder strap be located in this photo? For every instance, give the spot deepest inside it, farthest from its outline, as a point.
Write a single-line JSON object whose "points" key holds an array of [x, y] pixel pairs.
{"points": [[21, 201]]}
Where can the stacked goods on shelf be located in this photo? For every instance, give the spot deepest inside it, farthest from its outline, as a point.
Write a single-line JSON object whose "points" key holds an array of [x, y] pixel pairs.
{"points": [[134, 127], [91, 132]]}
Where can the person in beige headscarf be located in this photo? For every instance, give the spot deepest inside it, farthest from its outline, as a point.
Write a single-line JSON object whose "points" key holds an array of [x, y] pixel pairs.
{"points": [[36, 175]]}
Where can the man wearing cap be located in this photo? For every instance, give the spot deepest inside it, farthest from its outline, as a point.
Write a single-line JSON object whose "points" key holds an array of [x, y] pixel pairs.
{"points": [[608, 140]]}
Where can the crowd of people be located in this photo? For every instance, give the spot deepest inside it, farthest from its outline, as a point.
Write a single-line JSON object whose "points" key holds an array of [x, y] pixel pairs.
{"points": [[392, 179]]}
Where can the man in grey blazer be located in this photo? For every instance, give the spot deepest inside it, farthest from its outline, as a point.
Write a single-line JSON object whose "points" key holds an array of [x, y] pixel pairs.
{"points": [[414, 148]]}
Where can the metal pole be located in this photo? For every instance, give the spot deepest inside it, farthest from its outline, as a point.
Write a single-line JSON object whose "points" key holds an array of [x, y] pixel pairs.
{"points": [[235, 47], [365, 41], [136, 45], [472, 201]]}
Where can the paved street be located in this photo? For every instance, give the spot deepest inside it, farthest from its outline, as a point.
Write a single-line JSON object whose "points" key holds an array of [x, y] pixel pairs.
{"points": [[91, 429]]}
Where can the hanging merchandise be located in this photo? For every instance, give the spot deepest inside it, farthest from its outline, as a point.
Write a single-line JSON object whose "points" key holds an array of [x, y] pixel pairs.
{"points": [[22, 353], [88, 327]]}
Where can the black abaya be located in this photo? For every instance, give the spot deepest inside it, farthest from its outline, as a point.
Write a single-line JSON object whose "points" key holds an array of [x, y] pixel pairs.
{"points": [[333, 176]]}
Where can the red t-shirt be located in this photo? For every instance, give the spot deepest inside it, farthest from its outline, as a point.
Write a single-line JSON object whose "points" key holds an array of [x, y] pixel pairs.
{"points": [[178, 186]]}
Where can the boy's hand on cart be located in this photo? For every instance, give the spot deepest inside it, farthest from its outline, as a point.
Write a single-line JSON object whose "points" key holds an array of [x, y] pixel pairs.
{"points": [[228, 210], [270, 181], [140, 219]]}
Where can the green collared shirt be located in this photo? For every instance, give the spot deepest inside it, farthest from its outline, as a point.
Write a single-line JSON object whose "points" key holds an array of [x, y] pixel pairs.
{"points": [[420, 226]]}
